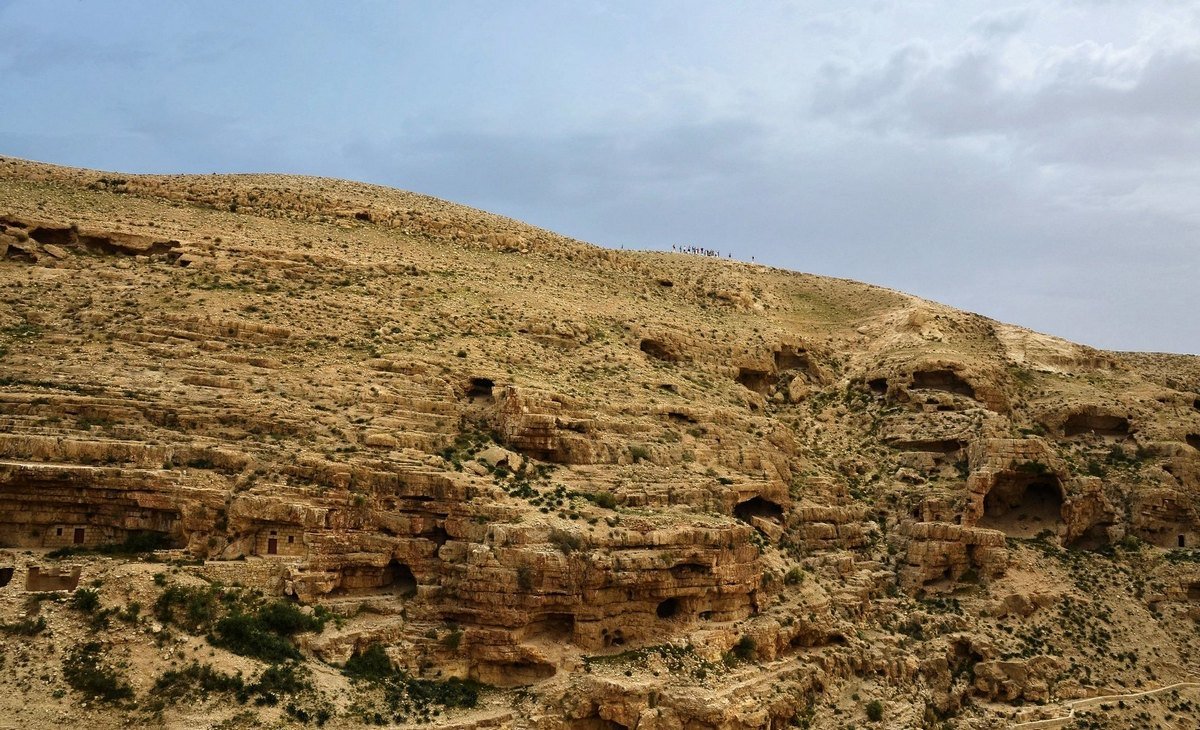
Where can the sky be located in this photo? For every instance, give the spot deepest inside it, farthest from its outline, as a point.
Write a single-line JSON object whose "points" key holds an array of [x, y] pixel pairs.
{"points": [[1037, 163]]}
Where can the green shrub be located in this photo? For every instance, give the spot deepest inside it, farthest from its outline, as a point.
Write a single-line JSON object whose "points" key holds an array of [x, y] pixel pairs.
{"points": [[244, 634], [83, 671], [874, 710], [191, 608], [195, 680], [25, 627], [372, 665], [86, 600], [744, 649], [278, 679], [567, 542]]}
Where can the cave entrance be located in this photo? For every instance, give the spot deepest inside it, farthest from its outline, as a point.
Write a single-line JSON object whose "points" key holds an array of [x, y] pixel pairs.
{"points": [[480, 389], [757, 380], [658, 350], [1094, 538], [1023, 505], [398, 578], [6, 575], [1193, 440], [558, 628], [668, 609], [946, 380], [758, 507], [1182, 541], [1099, 424], [792, 358]]}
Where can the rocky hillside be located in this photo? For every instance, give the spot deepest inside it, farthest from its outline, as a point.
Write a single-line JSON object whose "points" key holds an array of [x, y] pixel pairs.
{"points": [[278, 451]]}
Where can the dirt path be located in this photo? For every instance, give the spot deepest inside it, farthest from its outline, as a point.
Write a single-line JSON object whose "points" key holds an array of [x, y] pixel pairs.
{"points": [[1086, 702]]}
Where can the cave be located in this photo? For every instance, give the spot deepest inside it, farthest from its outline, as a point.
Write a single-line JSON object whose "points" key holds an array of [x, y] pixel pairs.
{"points": [[616, 638], [757, 380], [945, 380], [480, 389], [791, 358], [56, 236], [878, 386], [948, 446], [394, 578], [669, 608], [399, 578], [6, 575], [1100, 424], [1023, 505], [689, 570], [758, 507], [1193, 440], [1193, 592], [658, 350], [513, 674], [1196, 404], [558, 628], [1094, 538]]}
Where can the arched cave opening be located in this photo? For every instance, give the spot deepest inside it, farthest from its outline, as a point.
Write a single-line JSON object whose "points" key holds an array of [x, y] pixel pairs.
{"points": [[1196, 404], [1100, 424], [757, 380], [555, 627], [6, 575], [1193, 440], [945, 380], [658, 350], [1094, 538], [669, 608], [398, 578], [1021, 505], [878, 386], [480, 389], [758, 507]]}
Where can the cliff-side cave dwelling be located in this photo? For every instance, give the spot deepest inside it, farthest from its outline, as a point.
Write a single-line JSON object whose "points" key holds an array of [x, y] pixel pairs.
{"points": [[1101, 424], [1023, 505], [944, 380], [758, 507]]}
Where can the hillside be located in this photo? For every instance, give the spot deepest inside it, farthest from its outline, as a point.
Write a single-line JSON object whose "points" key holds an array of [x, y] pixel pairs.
{"points": [[278, 451]]}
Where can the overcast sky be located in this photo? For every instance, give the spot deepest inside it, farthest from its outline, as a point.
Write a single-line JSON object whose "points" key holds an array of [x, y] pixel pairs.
{"points": [[1036, 163]]}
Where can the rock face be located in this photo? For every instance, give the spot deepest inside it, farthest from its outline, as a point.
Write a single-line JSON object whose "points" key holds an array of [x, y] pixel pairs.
{"points": [[627, 490]]}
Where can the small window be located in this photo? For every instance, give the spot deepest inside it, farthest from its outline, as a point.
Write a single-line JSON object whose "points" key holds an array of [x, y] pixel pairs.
{"points": [[58, 532], [274, 533], [291, 539]]}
